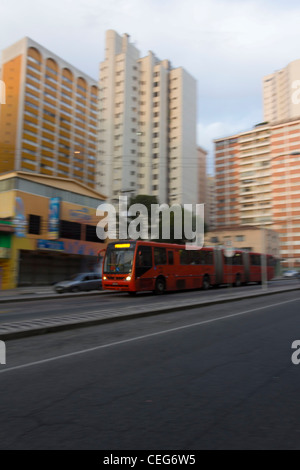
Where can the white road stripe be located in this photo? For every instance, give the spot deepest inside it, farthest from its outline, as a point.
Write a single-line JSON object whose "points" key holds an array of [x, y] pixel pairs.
{"points": [[138, 338]]}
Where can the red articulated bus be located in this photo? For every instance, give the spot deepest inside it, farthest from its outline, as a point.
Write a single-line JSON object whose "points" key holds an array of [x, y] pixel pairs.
{"points": [[135, 266]]}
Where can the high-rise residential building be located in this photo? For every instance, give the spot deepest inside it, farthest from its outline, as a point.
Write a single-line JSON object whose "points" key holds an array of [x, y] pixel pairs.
{"points": [[258, 182], [211, 208], [147, 139], [202, 181], [226, 181], [281, 93], [202, 176], [49, 122]]}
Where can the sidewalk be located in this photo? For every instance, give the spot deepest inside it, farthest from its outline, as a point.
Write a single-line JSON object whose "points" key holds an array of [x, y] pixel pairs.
{"points": [[32, 290], [38, 293]]}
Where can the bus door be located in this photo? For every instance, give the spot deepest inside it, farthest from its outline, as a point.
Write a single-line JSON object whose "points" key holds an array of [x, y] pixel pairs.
{"points": [[143, 268], [171, 281], [161, 264]]}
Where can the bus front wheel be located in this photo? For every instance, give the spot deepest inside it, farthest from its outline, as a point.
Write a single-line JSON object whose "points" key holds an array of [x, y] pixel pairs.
{"points": [[160, 286]]}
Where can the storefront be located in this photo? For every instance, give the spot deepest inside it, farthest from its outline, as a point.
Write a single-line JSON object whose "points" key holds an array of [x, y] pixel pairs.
{"points": [[52, 229], [6, 231], [54, 261]]}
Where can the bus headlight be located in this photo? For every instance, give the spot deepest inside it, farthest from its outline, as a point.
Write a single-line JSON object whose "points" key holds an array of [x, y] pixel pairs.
{"points": [[128, 278], [104, 278]]}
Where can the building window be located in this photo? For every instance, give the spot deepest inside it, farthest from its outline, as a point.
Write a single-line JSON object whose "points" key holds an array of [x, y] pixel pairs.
{"points": [[34, 224], [90, 234], [70, 230]]}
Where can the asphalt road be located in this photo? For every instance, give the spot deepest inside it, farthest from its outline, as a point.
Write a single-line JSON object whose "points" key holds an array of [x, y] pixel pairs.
{"points": [[115, 301], [210, 378]]}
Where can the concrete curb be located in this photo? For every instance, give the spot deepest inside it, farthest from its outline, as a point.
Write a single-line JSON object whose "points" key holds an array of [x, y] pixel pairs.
{"points": [[35, 297], [45, 328]]}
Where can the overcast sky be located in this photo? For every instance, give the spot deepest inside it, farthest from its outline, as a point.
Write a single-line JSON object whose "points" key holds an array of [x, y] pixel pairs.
{"points": [[227, 45]]}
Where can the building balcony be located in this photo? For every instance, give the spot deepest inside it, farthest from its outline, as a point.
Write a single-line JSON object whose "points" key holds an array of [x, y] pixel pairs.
{"points": [[256, 188], [250, 137], [255, 145], [254, 152], [253, 161], [256, 207]]}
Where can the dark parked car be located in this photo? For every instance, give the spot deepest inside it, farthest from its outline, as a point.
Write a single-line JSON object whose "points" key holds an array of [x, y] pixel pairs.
{"points": [[80, 282]]}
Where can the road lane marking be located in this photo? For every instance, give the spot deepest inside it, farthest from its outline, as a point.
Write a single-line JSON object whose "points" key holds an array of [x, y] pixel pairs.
{"points": [[138, 338]]}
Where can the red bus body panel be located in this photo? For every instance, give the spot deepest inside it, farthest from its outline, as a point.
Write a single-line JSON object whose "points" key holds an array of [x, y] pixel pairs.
{"points": [[188, 269]]}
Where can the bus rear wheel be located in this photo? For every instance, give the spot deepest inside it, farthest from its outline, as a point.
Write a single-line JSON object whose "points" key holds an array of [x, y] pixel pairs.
{"points": [[160, 286], [131, 293]]}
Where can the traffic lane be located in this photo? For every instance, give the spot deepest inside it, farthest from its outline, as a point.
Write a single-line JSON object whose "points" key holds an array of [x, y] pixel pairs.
{"points": [[27, 350], [56, 306], [225, 384]]}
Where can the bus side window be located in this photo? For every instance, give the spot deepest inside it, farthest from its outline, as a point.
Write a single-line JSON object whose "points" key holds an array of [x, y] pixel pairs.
{"points": [[184, 257], [144, 257], [170, 257], [194, 257], [237, 260], [209, 258], [160, 256], [255, 260]]}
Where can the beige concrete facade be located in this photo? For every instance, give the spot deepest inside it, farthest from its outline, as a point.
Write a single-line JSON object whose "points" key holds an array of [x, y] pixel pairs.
{"points": [[246, 238], [147, 125], [281, 93]]}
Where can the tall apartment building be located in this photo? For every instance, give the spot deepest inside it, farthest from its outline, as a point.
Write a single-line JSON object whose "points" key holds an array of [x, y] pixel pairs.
{"points": [[49, 122], [147, 140], [258, 182], [281, 93], [286, 188], [211, 207], [202, 180], [202, 176], [227, 181]]}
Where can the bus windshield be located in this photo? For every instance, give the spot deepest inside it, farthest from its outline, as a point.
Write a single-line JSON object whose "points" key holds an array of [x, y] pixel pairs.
{"points": [[119, 261]]}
